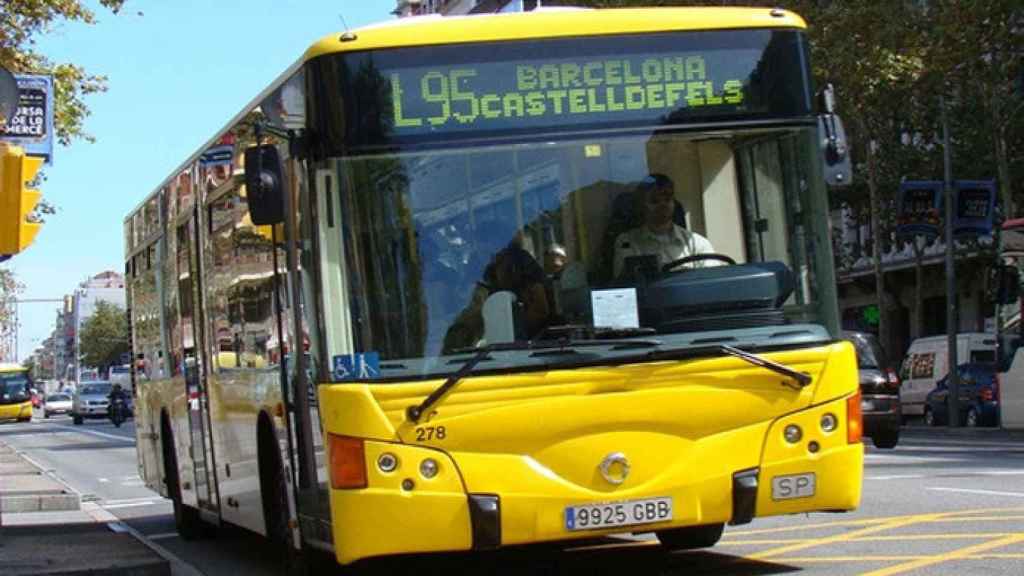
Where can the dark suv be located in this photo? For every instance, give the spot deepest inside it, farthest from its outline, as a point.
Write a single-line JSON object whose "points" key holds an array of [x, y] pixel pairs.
{"points": [[879, 389]]}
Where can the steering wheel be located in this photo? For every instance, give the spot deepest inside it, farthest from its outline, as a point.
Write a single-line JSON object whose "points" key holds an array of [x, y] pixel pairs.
{"points": [[696, 258]]}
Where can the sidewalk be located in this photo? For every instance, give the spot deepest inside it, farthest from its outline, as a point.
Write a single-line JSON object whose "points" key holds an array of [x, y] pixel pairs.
{"points": [[46, 529], [25, 487]]}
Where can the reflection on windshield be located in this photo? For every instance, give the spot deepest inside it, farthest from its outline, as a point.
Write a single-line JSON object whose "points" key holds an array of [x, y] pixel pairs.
{"points": [[446, 252]]}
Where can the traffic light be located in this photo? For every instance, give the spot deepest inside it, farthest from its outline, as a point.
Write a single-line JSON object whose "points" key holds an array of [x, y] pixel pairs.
{"points": [[17, 200]]}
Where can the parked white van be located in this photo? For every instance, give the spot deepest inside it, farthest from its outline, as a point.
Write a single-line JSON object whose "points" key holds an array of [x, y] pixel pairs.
{"points": [[1011, 394], [927, 362]]}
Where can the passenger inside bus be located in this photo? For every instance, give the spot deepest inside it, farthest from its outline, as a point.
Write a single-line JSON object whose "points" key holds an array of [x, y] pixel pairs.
{"points": [[514, 271], [657, 235]]}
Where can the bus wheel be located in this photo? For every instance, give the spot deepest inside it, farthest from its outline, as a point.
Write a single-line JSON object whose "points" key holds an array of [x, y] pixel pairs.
{"points": [[186, 519], [275, 510], [691, 537]]}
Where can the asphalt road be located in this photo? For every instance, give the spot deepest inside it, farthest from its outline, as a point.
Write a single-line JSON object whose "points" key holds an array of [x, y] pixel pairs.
{"points": [[937, 504]]}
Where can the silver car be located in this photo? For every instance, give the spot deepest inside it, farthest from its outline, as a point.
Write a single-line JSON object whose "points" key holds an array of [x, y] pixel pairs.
{"points": [[59, 403], [91, 400]]}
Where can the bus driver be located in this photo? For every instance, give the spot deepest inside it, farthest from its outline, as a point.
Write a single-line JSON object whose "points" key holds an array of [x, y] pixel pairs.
{"points": [[658, 235]]}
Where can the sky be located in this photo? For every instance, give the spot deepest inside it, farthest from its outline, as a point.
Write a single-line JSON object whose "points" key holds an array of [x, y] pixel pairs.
{"points": [[177, 72]]}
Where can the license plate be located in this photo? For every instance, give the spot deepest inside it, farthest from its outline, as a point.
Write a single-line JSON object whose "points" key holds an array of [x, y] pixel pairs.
{"points": [[793, 486], [622, 513]]}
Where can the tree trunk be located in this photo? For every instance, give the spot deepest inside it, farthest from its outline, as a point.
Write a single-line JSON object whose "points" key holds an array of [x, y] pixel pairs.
{"points": [[1003, 170], [876, 248], [917, 328]]}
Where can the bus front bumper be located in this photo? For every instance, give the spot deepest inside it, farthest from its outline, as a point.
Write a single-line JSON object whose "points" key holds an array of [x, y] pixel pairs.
{"points": [[482, 501]]}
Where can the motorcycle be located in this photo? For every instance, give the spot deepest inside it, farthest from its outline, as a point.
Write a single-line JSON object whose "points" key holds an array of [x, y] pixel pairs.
{"points": [[118, 410]]}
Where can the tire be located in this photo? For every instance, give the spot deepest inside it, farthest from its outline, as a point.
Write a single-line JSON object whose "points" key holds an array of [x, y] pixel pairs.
{"points": [[929, 417], [76, 419], [886, 440], [46, 415], [186, 519], [972, 419], [275, 505], [691, 537]]}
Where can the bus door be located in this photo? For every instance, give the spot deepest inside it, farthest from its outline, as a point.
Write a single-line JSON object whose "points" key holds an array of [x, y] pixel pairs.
{"points": [[194, 368]]}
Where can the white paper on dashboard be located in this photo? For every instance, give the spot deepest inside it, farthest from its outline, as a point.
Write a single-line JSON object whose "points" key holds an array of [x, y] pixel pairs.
{"points": [[615, 308]]}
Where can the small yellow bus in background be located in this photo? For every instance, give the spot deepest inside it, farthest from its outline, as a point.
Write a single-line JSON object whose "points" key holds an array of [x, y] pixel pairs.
{"points": [[15, 393], [412, 298]]}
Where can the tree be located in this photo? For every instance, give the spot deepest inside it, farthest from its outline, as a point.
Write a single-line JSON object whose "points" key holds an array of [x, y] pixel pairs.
{"points": [[9, 290], [21, 22], [104, 337]]}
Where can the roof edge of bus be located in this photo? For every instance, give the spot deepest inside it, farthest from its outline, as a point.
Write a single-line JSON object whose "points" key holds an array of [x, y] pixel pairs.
{"points": [[537, 24]]}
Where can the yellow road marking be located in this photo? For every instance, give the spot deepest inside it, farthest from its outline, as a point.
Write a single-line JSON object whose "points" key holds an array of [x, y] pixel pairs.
{"points": [[981, 518], [892, 523], [796, 560], [870, 521], [781, 541], [959, 554]]}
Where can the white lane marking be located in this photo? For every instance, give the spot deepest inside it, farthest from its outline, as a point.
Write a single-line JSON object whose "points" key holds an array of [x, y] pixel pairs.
{"points": [[131, 500], [95, 433], [103, 479], [128, 505], [973, 491], [964, 474], [162, 536]]}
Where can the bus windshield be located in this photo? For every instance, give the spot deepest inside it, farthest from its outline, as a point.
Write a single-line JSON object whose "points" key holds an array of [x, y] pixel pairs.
{"points": [[446, 251], [14, 388]]}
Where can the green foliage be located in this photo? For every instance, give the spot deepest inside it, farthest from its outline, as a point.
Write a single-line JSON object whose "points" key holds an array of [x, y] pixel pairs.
{"points": [[104, 336], [21, 22]]}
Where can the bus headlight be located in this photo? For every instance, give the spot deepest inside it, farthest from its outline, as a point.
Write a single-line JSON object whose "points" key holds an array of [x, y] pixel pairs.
{"points": [[793, 433], [387, 462], [829, 422], [429, 468]]}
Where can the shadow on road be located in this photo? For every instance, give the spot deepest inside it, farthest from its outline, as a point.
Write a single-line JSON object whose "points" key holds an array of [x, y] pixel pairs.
{"points": [[613, 560]]}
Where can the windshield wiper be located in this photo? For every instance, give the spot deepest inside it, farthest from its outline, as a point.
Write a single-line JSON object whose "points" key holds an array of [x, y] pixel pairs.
{"points": [[414, 413], [802, 379]]}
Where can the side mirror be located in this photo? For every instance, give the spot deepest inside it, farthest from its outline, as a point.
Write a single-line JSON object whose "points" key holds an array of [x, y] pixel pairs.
{"points": [[835, 152], [264, 185], [1005, 282]]}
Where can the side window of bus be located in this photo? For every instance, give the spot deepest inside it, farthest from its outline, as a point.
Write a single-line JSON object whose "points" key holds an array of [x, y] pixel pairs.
{"points": [[146, 312], [240, 286], [172, 321]]}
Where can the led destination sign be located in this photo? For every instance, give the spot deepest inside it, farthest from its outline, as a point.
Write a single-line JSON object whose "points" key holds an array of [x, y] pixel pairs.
{"points": [[440, 93], [465, 95]]}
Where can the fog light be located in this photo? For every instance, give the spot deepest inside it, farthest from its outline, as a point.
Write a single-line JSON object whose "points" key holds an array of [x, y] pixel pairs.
{"points": [[387, 462], [793, 433], [429, 468], [829, 422]]}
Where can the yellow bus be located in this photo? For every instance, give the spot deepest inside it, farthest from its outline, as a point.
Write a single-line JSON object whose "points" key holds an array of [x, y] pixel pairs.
{"points": [[463, 283], [15, 393]]}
